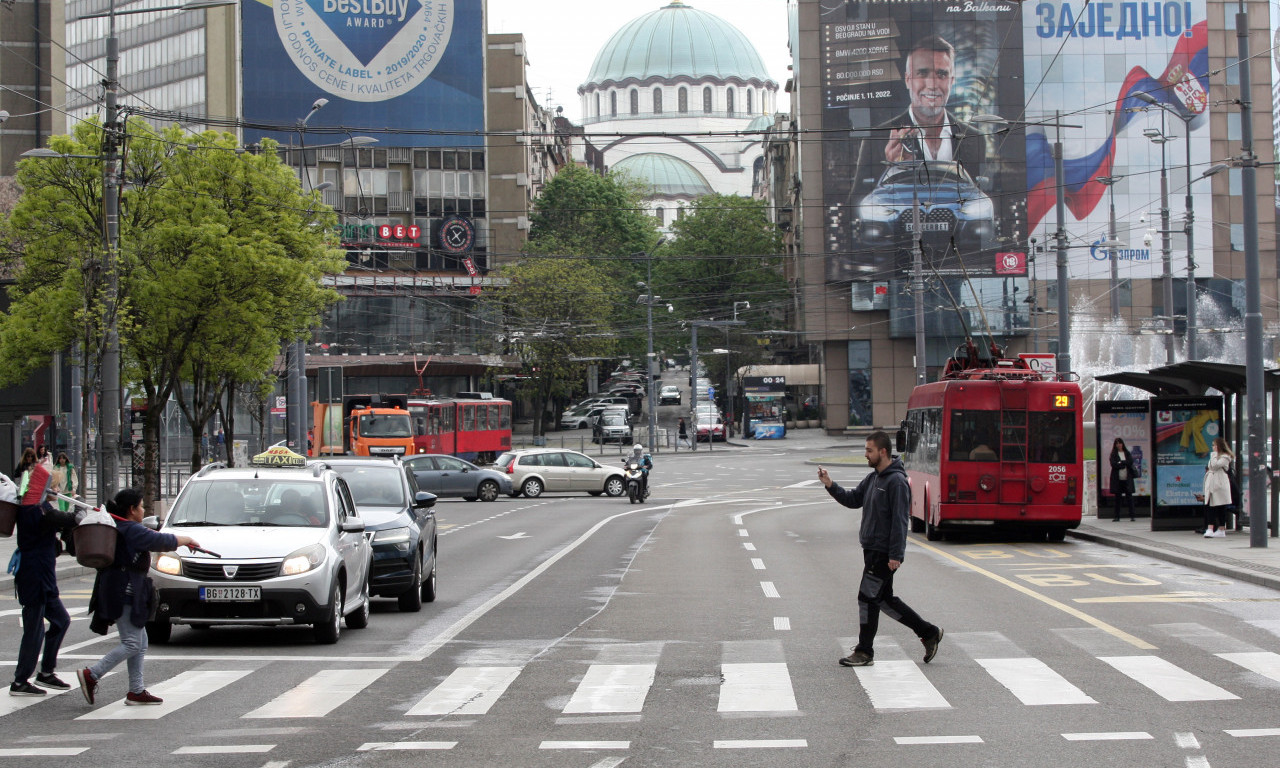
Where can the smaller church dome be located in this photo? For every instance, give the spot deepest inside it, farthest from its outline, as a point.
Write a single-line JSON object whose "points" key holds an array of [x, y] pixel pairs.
{"points": [[761, 123], [664, 174]]}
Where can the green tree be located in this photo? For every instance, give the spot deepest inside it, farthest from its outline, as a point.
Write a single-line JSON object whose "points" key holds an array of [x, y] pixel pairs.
{"points": [[221, 258]]}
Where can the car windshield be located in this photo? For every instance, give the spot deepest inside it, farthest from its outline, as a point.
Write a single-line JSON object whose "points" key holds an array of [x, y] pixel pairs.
{"points": [[374, 486], [933, 174], [386, 425], [612, 418], [251, 502]]}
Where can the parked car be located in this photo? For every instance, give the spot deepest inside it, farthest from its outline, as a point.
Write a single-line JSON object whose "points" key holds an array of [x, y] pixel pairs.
{"points": [[669, 395], [398, 512], [612, 427], [446, 475], [536, 470], [709, 428], [292, 544], [576, 417]]}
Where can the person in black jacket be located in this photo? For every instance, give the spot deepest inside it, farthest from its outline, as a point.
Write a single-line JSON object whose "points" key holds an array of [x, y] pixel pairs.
{"points": [[37, 584], [885, 498], [1121, 478], [122, 594]]}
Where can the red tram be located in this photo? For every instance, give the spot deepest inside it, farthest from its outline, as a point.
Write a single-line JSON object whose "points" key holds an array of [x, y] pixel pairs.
{"points": [[994, 444], [473, 425]]}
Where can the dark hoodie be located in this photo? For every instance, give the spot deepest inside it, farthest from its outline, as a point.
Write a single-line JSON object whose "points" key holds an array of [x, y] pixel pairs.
{"points": [[885, 498]]}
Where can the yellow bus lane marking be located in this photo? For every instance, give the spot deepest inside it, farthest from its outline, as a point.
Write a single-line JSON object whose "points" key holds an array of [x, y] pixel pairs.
{"points": [[1049, 601], [1176, 597]]}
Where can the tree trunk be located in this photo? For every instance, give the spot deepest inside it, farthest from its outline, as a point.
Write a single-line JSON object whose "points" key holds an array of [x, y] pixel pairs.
{"points": [[151, 455]]}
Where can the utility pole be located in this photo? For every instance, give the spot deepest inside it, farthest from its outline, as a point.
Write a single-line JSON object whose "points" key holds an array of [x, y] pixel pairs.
{"points": [[1064, 304], [917, 275], [109, 432], [1110, 182]]}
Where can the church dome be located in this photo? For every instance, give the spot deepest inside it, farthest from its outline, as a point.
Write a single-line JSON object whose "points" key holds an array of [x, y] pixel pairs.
{"points": [[761, 123], [678, 41], [666, 175]]}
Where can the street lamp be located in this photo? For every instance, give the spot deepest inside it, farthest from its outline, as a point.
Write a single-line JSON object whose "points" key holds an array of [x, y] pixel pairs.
{"points": [[1110, 183], [1064, 304], [693, 365], [648, 298], [1166, 249]]}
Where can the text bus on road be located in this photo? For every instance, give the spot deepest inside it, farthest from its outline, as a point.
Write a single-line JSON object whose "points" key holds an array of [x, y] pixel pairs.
{"points": [[994, 444]]}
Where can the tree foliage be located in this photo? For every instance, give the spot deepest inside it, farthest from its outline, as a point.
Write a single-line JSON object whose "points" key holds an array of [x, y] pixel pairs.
{"points": [[221, 258]]}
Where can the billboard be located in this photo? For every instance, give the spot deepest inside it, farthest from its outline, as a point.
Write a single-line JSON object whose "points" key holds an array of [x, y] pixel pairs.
{"points": [[1087, 61], [901, 85], [1183, 432], [385, 66], [1130, 421]]}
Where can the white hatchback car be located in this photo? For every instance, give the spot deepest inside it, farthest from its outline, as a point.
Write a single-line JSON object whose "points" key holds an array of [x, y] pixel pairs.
{"points": [[292, 550], [553, 470]]}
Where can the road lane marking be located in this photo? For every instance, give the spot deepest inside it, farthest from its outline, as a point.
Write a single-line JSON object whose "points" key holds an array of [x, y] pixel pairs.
{"points": [[737, 519], [1081, 615], [749, 546], [467, 691], [225, 749], [769, 589], [759, 744], [906, 740], [1109, 736], [1249, 733], [1033, 682], [1186, 740], [781, 623], [43, 751], [178, 691], [757, 563], [1264, 663], [743, 532], [761, 687], [899, 685], [460, 625], [608, 688], [585, 745], [319, 694], [1171, 682], [11, 704], [384, 746]]}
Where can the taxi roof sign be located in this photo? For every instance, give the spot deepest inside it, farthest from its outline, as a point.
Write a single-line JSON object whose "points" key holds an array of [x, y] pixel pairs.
{"points": [[278, 456]]}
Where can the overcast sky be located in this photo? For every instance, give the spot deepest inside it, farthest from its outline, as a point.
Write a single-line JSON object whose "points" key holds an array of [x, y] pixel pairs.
{"points": [[564, 37]]}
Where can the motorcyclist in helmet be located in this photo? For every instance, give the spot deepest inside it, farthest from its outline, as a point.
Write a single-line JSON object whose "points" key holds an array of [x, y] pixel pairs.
{"points": [[646, 463]]}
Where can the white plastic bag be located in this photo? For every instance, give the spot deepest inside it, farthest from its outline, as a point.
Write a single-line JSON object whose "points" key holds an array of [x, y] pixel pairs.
{"points": [[98, 516], [8, 490]]}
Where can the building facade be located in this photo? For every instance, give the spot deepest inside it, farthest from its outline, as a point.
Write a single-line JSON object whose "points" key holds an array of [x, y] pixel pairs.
{"points": [[26, 117], [1128, 95]]}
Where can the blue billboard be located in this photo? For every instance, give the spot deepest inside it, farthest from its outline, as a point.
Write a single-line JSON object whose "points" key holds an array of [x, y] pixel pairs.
{"points": [[385, 66]]}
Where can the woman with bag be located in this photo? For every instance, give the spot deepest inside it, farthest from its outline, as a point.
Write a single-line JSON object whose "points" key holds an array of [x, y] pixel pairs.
{"points": [[123, 594], [64, 480], [1121, 478], [1217, 490]]}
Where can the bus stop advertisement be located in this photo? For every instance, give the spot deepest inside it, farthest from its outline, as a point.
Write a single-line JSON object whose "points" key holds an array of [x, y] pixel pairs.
{"points": [[765, 395], [1182, 434], [1129, 420]]}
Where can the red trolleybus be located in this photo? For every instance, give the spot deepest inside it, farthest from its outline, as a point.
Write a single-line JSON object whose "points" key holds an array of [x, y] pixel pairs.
{"points": [[474, 425], [994, 444]]}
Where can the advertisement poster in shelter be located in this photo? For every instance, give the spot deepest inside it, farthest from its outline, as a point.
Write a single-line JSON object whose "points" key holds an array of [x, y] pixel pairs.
{"points": [[1130, 421], [1183, 430], [912, 95]]}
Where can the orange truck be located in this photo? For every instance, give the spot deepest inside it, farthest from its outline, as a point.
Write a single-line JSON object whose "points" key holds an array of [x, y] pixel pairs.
{"points": [[366, 425]]}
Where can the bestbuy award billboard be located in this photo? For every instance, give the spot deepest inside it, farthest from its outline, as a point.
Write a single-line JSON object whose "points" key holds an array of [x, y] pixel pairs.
{"points": [[385, 66]]}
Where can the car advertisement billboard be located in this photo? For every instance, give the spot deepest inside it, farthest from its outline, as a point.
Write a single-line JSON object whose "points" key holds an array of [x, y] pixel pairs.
{"points": [[1091, 63], [385, 66], [902, 84]]}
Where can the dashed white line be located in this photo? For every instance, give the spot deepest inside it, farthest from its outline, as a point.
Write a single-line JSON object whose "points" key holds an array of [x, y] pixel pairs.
{"points": [[1197, 761], [914, 740], [757, 563], [225, 749], [585, 745], [760, 744], [1186, 740], [769, 589], [743, 532], [1246, 733], [386, 746], [1108, 736], [781, 623], [749, 546]]}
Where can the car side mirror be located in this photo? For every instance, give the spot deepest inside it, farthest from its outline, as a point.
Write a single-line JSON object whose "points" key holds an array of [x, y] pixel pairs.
{"points": [[353, 525], [902, 437], [424, 500], [152, 522], [984, 183]]}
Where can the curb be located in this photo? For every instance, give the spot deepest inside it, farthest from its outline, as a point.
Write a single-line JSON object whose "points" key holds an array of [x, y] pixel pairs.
{"points": [[1235, 569], [72, 571]]}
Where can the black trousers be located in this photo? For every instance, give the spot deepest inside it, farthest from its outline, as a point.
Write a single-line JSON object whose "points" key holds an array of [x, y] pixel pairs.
{"points": [[1115, 502], [875, 595], [1216, 516], [35, 612]]}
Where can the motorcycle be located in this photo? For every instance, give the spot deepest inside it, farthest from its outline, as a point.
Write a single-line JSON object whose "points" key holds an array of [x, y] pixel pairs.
{"points": [[634, 475]]}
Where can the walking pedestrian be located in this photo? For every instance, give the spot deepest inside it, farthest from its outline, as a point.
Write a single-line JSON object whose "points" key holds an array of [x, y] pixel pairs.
{"points": [[123, 594], [1217, 490], [885, 499], [36, 581], [682, 434], [64, 480], [22, 473], [1122, 474]]}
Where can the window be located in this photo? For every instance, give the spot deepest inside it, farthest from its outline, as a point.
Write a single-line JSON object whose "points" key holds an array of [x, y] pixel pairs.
{"points": [[706, 99], [975, 436], [578, 460], [597, 105], [613, 104], [728, 101], [1055, 436], [750, 94], [635, 101], [682, 100], [657, 101]]}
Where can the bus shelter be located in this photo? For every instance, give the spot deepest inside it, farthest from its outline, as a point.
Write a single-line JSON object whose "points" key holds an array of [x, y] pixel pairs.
{"points": [[1180, 390]]}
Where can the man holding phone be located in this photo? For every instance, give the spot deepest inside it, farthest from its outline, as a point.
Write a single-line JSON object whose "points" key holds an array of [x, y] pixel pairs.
{"points": [[885, 499]]}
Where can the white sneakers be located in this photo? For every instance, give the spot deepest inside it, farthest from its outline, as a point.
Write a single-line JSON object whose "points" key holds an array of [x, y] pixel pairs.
{"points": [[1218, 534]]}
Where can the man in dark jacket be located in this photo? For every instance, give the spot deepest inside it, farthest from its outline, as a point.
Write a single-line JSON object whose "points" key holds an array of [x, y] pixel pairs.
{"points": [[37, 585], [885, 499]]}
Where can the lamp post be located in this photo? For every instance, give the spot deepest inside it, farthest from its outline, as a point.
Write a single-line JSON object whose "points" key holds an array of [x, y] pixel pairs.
{"points": [[693, 367], [1166, 248], [728, 369], [648, 299], [1110, 183], [109, 438]]}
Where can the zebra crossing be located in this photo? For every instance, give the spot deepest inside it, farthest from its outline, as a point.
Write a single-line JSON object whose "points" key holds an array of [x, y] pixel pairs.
{"points": [[622, 679]]}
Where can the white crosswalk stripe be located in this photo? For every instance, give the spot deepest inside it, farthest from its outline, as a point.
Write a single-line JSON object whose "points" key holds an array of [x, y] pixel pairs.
{"points": [[1169, 681], [1033, 682], [899, 685], [1264, 663], [612, 688], [319, 695], [177, 692], [756, 688], [467, 691]]}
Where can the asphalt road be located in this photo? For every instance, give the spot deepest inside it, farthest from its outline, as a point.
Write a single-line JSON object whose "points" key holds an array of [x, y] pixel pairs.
{"points": [[703, 629]]}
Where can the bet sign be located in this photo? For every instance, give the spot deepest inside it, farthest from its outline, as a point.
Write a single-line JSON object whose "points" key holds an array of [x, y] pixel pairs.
{"points": [[399, 232]]}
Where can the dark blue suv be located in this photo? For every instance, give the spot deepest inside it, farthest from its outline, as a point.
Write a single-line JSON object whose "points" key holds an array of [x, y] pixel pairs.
{"points": [[401, 526]]}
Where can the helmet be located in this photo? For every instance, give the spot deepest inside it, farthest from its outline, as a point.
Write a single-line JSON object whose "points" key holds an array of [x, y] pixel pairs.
{"points": [[638, 448]]}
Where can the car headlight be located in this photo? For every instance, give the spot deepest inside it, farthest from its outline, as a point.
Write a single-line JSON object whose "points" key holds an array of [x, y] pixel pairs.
{"points": [[303, 560], [873, 212], [391, 536], [978, 208], [168, 563]]}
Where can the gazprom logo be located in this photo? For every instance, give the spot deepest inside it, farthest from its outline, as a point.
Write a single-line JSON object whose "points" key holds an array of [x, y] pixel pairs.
{"points": [[1099, 252], [365, 50]]}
